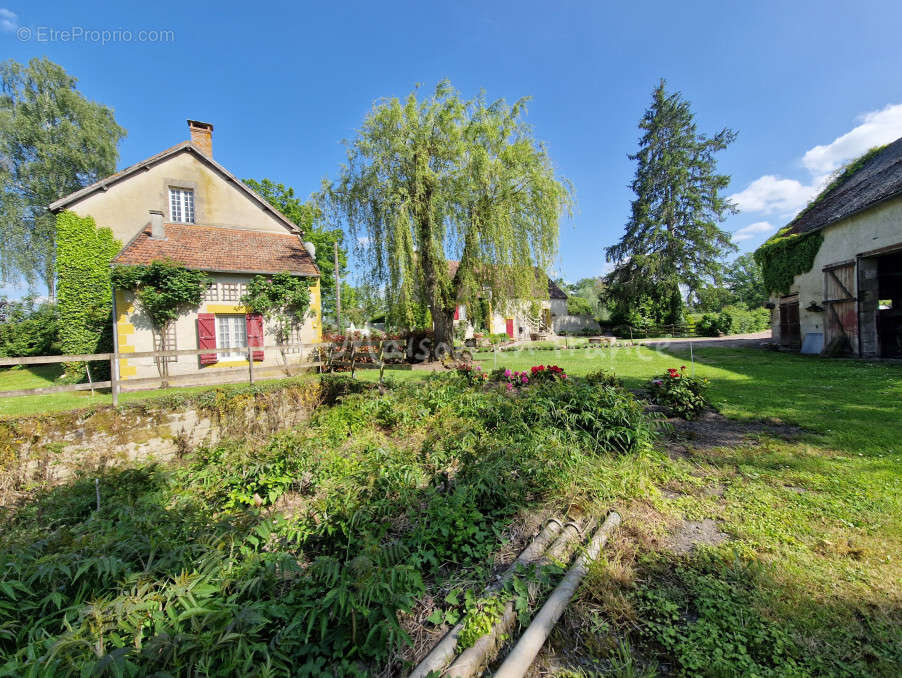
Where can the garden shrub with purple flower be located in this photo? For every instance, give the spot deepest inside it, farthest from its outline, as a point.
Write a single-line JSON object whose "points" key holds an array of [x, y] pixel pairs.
{"points": [[679, 393]]}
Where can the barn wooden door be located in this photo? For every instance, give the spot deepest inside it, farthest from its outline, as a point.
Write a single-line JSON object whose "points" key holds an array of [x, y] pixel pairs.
{"points": [[790, 329], [840, 309]]}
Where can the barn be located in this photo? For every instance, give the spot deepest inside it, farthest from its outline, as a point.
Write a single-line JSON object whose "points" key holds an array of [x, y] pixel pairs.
{"points": [[835, 271]]}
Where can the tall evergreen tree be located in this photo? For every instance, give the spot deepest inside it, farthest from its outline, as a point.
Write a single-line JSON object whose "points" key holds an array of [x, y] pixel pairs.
{"points": [[53, 141], [672, 239]]}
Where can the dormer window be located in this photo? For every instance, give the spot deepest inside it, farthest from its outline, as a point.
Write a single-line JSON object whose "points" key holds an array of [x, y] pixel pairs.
{"points": [[181, 205]]}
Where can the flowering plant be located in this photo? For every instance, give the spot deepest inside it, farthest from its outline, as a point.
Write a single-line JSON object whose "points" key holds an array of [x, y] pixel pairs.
{"points": [[547, 373], [472, 373], [678, 392]]}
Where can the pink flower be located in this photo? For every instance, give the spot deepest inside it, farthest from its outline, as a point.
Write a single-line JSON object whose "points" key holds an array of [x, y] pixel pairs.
{"points": [[510, 387], [507, 373], [524, 379]]}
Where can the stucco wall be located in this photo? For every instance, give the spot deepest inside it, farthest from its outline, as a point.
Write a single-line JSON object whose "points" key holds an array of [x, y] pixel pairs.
{"points": [[124, 206], [134, 333], [873, 229]]}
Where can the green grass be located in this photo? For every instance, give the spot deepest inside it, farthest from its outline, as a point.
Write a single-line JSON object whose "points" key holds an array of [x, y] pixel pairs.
{"points": [[809, 581]]}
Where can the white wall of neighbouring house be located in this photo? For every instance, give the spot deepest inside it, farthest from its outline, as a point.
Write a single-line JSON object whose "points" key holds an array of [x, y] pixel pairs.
{"points": [[875, 228], [135, 334]]}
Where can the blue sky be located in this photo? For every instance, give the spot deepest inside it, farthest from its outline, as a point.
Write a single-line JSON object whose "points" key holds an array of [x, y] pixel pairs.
{"points": [[807, 85]]}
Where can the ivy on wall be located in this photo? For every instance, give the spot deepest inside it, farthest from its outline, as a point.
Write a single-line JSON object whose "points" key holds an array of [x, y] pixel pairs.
{"points": [[786, 255], [282, 299], [84, 294]]}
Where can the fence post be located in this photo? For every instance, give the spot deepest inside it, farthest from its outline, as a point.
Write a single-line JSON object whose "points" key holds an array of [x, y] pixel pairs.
{"points": [[381, 360], [114, 378], [353, 351], [250, 364]]}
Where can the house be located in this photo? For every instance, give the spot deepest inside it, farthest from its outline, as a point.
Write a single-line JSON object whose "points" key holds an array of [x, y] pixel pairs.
{"points": [[182, 205], [518, 318], [851, 299]]}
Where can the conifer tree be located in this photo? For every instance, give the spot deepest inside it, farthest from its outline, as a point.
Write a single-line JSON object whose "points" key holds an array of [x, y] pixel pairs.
{"points": [[672, 242]]}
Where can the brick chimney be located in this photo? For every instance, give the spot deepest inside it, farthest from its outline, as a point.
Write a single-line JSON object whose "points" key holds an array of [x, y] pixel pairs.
{"points": [[202, 136]]}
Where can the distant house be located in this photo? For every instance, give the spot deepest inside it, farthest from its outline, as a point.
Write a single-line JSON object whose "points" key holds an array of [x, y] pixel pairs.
{"points": [[516, 317], [851, 299], [182, 205]]}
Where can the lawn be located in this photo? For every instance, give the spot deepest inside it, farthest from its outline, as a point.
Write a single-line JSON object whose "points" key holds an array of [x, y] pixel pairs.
{"points": [[803, 577]]}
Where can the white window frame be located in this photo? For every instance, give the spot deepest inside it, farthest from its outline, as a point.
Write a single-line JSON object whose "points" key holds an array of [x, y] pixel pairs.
{"points": [[231, 334], [181, 205]]}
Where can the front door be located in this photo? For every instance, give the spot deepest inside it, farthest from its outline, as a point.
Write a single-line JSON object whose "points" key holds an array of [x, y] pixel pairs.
{"points": [[509, 322], [790, 329], [840, 309]]}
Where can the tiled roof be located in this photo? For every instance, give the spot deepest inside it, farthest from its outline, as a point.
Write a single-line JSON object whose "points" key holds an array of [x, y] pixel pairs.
{"points": [[227, 250], [878, 179]]}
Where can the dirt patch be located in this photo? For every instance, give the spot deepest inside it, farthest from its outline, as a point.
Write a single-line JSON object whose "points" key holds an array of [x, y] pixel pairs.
{"points": [[713, 430], [694, 532]]}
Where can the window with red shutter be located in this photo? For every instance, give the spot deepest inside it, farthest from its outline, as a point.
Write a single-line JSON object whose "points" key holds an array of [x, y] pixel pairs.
{"points": [[206, 336], [457, 312], [255, 333]]}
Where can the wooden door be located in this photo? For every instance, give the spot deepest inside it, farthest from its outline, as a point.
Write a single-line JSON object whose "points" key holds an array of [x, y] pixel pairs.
{"points": [[790, 329], [510, 327], [840, 309]]}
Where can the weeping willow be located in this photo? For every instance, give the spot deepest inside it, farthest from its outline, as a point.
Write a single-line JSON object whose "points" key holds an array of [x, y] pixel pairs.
{"points": [[437, 179]]}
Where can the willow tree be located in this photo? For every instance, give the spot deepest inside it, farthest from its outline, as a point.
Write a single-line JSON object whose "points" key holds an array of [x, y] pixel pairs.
{"points": [[440, 178], [672, 239]]}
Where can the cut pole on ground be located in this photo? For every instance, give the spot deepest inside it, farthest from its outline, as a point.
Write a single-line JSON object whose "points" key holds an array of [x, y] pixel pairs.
{"points": [[524, 653], [442, 654], [481, 653]]}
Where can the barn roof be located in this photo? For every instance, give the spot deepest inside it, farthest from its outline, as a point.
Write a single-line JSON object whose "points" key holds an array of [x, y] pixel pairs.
{"points": [[878, 178]]}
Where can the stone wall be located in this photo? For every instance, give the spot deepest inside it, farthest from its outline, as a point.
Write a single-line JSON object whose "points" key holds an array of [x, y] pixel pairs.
{"points": [[47, 449]]}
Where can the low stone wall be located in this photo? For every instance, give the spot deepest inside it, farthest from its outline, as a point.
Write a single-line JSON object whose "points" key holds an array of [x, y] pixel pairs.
{"points": [[43, 450], [575, 323]]}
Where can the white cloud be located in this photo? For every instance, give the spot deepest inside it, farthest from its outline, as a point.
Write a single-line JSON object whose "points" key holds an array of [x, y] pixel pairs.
{"points": [[753, 230], [8, 20], [876, 128], [771, 194]]}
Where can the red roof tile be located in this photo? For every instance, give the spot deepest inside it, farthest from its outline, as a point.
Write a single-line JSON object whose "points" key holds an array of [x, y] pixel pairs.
{"points": [[227, 250]]}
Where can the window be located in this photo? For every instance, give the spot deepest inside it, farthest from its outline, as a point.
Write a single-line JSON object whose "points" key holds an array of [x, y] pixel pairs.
{"points": [[212, 292], [181, 205], [233, 291], [231, 333]]}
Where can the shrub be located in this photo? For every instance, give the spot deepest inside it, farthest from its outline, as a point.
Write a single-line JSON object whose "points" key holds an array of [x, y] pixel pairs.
{"points": [[27, 329], [472, 374], [542, 373], [680, 394], [733, 320], [604, 377]]}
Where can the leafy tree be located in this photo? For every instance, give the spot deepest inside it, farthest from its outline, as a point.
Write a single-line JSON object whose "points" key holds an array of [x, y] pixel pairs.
{"points": [[439, 177], [361, 303], [712, 299], [53, 141], [745, 281], [672, 238], [28, 328], [163, 290], [579, 306], [282, 299], [308, 217]]}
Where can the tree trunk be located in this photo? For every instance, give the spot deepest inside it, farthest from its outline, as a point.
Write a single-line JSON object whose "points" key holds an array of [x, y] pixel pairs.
{"points": [[443, 322]]}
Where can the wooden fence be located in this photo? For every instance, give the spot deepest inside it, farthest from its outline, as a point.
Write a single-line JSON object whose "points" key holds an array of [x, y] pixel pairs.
{"points": [[355, 355], [115, 383]]}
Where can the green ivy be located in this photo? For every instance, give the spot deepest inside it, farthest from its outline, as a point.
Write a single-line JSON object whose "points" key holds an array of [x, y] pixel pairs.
{"points": [[84, 294], [282, 299], [163, 289], [786, 255]]}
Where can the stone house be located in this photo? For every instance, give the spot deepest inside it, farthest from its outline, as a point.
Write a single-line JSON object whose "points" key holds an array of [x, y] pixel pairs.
{"points": [[182, 205], [851, 299]]}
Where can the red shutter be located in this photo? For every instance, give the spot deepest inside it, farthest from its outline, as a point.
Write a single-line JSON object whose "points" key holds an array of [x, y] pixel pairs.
{"points": [[206, 336], [255, 333], [457, 312]]}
